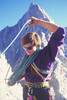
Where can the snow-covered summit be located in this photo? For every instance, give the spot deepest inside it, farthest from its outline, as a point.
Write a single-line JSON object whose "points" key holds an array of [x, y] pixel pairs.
{"points": [[9, 33]]}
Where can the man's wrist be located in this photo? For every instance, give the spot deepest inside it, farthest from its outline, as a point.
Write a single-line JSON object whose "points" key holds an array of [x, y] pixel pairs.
{"points": [[40, 21]]}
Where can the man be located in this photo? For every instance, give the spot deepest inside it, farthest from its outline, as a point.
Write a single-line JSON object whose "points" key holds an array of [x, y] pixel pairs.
{"points": [[37, 73]]}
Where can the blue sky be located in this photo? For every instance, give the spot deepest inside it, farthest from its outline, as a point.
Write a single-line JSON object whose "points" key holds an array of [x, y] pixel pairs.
{"points": [[12, 10]]}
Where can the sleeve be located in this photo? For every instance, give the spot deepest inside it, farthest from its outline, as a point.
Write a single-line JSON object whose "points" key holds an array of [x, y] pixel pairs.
{"points": [[56, 40]]}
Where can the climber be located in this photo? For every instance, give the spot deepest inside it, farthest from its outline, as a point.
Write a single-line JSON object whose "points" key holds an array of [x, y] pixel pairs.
{"points": [[38, 73]]}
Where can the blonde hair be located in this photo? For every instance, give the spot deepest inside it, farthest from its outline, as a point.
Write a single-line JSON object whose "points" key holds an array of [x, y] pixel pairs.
{"points": [[31, 37]]}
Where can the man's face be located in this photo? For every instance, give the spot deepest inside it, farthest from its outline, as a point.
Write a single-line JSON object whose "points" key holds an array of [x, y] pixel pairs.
{"points": [[29, 48]]}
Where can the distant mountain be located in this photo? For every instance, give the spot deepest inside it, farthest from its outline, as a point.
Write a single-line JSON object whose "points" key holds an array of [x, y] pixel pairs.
{"points": [[65, 43], [8, 34], [15, 52]]}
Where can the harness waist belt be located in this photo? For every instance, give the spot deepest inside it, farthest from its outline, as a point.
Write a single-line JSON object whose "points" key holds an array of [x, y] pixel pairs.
{"points": [[37, 84]]}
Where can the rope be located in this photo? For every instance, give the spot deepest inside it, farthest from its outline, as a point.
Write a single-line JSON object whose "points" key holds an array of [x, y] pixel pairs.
{"points": [[11, 44], [15, 37], [20, 71]]}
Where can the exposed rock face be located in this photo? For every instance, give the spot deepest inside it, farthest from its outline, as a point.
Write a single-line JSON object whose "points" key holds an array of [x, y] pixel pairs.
{"points": [[65, 43]]}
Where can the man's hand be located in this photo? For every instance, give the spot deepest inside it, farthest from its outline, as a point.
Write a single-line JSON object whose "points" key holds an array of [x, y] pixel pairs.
{"points": [[33, 21], [49, 26]]}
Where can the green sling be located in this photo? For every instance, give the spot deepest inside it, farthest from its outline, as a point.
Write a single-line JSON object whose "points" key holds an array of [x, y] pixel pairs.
{"points": [[20, 71]]}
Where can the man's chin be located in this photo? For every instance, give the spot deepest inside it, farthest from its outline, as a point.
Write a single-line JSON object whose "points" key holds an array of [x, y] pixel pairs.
{"points": [[29, 53]]}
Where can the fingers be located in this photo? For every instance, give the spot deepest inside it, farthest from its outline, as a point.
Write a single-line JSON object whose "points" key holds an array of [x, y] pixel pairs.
{"points": [[32, 21]]}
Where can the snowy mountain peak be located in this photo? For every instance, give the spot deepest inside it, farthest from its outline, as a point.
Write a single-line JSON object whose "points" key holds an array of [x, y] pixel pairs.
{"points": [[9, 33]]}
